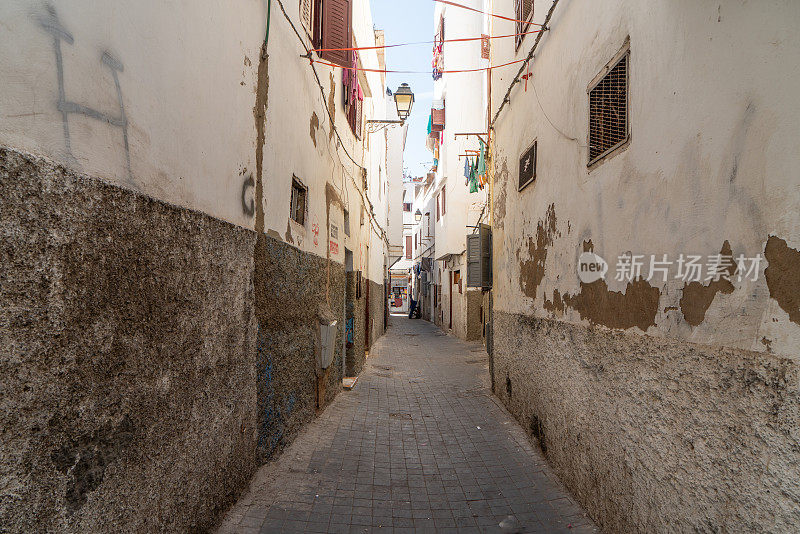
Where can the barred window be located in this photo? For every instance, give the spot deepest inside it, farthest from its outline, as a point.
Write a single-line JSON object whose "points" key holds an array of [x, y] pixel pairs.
{"points": [[608, 111], [523, 11]]}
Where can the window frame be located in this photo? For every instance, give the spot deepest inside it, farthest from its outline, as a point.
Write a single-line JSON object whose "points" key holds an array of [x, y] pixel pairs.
{"points": [[623, 53], [535, 146], [521, 27], [302, 189], [337, 57]]}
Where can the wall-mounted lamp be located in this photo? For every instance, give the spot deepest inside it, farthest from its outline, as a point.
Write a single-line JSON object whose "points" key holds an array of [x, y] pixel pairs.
{"points": [[418, 216]]}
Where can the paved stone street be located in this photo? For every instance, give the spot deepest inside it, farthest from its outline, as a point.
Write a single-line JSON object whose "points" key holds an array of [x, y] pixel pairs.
{"points": [[420, 444]]}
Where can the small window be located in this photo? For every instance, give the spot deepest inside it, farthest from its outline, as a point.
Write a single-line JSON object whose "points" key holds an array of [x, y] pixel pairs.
{"points": [[407, 206], [608, 109], [527, 167], [443, 210], [346, 222], [297, 209], [437, 208], [523, 10]]}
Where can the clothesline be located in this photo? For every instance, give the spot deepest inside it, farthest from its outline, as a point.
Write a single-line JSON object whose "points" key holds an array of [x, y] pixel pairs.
{"points": [[448, 2], [425, 42], [417, 71]]}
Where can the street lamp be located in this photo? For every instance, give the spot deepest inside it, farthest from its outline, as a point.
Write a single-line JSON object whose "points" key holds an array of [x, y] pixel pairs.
{"points": [[418, 216], [403, 100]]}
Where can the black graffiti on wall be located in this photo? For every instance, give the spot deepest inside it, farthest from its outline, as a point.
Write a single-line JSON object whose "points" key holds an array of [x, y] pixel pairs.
{"points": [[248, 203], [52, 25]]}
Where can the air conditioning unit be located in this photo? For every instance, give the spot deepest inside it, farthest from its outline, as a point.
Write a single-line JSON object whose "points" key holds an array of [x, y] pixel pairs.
{"points": [[479, 258]]}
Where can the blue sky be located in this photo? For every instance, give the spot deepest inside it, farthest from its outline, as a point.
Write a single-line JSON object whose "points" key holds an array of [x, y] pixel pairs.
{"points": [[407, 21]]}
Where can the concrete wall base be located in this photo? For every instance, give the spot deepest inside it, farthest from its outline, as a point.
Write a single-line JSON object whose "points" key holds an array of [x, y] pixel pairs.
{"points": [[655, 435], [151, 355], [127, 351]]}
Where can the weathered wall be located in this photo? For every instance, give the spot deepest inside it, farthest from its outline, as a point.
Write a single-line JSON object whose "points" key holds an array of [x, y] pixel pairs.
{"points": [[294, 292], [150, 101], [726, 175], [473, 300], [665, 405], [377, 298], [127, 343], [657, 435], [355, 350]]}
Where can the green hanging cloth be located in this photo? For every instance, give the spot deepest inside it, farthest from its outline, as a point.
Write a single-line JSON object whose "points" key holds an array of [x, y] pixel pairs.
{"points": [[430, 123], [473, 177], [482, 160]]}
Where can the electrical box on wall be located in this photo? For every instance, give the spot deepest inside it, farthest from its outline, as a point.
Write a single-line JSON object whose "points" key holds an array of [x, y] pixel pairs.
{"points": [[479, 257], [327, 339]]}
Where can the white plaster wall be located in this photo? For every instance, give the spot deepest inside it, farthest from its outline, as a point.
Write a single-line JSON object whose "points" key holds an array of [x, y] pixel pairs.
{"points": [[465, 111], [713, 155], [187, 89]]}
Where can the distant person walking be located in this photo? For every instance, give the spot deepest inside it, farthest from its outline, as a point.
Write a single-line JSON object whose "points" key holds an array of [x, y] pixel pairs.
{"points": [[414, 296]]}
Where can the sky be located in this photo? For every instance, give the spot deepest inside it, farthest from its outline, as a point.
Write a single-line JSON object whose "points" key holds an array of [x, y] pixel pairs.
{"points": [[406, 21]]}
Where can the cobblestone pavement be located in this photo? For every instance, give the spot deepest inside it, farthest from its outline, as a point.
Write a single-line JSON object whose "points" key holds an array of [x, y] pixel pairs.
{"points": [[420, 444]]}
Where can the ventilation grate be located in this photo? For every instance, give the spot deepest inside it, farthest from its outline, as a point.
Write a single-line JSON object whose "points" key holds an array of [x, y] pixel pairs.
{"points": [[608, 111]]}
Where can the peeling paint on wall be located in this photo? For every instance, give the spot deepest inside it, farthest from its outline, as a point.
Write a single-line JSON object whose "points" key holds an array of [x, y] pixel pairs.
{"points": [[532, 270], [331, 107], [637, 306], [260, 115], [783, 276], [697, 297], [313, 125], [501, 187]]}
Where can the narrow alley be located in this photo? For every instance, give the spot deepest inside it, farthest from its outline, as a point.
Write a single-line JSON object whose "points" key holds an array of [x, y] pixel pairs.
{"points": [[421, 444]]}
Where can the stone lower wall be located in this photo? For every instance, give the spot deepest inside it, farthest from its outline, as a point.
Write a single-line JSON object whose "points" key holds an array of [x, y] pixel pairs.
{"points": [[377, 298], [151, 356], [473, 327], [654, 435], [355, 311], [127, 356], [294, 292]]}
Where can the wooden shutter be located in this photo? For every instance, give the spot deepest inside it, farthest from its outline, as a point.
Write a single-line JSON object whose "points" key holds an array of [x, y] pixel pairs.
{"points": [[305, 16], [408, 247], [443, 210], [359, 115], [337, 31]]}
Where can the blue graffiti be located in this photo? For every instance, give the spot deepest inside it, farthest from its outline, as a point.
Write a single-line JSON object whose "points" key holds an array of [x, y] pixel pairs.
{"points": [[349, 330]]}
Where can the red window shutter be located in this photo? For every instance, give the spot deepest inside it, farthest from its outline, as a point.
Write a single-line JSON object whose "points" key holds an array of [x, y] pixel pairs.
{"points": [[337, 31], [437, 120], [359, 113], [437, 207], [408, 247]]}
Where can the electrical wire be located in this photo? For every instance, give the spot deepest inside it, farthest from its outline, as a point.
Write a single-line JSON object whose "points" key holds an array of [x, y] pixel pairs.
{"points": [[373, 222], [448, 2], [516, 79]]}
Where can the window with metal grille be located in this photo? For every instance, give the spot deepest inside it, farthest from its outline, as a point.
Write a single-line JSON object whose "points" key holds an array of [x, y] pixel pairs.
{"points": [[297, 208], [523, 10], [407, 206], [608, 111]]}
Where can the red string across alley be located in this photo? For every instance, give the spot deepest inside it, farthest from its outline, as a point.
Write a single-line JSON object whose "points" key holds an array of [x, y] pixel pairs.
{"points": [[418, 71], [378, 47]]}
